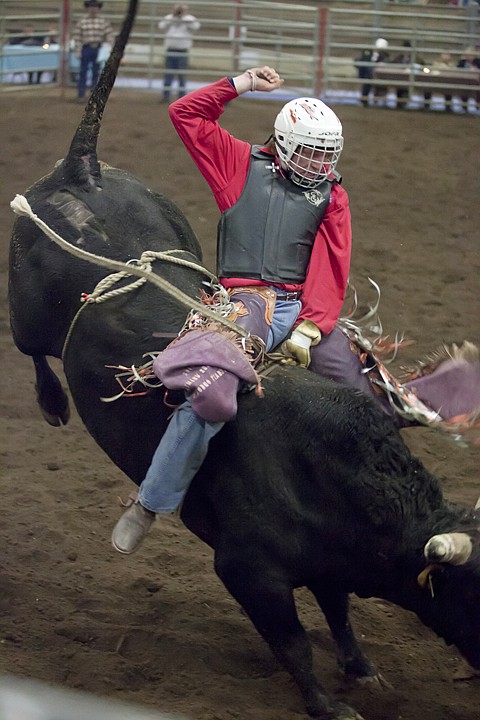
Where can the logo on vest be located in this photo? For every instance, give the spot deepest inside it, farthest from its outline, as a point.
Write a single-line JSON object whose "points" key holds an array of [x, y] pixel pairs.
{"points": [[271, 166], [314, 197]]}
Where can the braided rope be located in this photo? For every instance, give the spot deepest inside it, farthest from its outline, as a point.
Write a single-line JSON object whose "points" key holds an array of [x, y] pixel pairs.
{"points": [[99, 293], [21, 206]]}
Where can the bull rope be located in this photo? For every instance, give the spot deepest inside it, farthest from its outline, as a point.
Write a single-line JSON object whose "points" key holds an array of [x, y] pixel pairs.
{"points": [[141, 268]]}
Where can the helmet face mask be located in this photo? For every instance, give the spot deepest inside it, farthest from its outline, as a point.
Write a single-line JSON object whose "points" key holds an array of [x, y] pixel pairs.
{"points": [[309, 141]]}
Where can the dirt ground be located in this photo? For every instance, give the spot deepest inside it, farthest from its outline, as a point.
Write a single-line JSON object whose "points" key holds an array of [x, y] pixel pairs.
{"points": [[158, 629]]}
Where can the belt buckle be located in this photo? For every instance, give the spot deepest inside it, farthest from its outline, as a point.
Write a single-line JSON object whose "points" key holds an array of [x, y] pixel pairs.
{"points": [[288, 296]]}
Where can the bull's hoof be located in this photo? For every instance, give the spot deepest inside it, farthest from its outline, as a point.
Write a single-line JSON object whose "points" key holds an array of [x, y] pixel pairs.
{"points": [[376, 681], [51, 396], [57, 419], [336, 711], [344, 712]]}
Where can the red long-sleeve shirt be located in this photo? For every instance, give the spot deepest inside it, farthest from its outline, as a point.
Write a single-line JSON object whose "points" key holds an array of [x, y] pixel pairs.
{"points": [[224, 161]]}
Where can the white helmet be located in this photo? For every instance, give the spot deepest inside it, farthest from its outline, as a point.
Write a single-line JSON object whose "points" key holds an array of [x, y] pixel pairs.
{"points": [[309, 140], [381, 44]]}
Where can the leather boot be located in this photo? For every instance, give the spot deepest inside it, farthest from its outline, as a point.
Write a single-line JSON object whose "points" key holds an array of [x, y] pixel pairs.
{"points": [[131, 529]]}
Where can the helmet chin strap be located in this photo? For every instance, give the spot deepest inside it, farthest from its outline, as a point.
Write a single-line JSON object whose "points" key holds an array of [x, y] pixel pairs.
{"points": [[303, 181], [290, 174], [287, 172], [283, 169]]}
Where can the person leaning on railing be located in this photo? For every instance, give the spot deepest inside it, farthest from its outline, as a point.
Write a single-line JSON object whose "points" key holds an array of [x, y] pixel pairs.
{"points": [[469, 61], [29, 38], [409, 58], [445, 62]]}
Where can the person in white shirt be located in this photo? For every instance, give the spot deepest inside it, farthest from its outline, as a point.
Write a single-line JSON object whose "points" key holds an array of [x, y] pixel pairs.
{"points": [[179, 27]]}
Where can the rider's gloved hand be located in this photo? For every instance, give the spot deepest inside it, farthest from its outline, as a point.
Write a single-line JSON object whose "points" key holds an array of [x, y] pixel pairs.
{"points": [[297, 347]]}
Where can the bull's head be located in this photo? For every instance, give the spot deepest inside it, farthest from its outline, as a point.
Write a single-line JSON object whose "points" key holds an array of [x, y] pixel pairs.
{"points": [[454, 548], [452, 578]]}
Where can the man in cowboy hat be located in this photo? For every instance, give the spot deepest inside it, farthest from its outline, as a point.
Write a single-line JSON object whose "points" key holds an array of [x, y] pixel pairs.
{"points": [[90, 32]]}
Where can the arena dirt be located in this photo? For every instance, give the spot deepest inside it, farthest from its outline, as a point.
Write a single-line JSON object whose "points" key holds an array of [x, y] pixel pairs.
{"points": [[158, 628]]}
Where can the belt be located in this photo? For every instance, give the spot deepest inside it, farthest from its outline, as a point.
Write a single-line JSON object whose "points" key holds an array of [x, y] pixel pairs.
{"points": [[289, 295], [94, 46]]}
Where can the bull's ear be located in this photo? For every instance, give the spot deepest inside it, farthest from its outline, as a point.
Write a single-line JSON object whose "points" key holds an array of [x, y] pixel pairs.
{"points": [[423, 578], [431, 578]]}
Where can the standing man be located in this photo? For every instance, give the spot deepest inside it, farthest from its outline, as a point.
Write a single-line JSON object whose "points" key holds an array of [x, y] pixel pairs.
{"points": [[179, 27], [90, 32]]}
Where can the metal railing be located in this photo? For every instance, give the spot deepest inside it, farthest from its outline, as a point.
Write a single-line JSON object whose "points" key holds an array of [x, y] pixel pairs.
{"points": [[313, 45]]}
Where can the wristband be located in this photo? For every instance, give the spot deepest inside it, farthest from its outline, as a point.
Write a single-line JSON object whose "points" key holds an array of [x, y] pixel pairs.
{"points": [[253, 78]]}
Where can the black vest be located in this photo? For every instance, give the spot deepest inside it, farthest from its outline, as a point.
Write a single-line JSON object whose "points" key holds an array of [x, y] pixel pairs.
{"points": [[268, 234]]}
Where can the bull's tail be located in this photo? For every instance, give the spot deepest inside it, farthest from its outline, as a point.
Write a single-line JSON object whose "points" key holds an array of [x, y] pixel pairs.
{"points": [[81, 166]]}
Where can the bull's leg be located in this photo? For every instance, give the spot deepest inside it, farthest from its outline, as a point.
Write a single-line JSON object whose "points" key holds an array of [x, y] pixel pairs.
{"points": [[268, 601], [351, 659], [50, 394]]}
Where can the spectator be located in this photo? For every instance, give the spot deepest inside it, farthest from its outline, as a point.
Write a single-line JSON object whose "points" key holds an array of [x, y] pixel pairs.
{"points": [[29, 39], [445, 62], [469, 61], [403, 58], [51, 36], [409, 59], [179, 27], [90, 32], [365, 68]]}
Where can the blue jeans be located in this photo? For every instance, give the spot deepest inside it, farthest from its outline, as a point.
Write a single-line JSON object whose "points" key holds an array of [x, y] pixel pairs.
{"points": [[184, 445], [177, 459], [176, 62], [88, 60]]}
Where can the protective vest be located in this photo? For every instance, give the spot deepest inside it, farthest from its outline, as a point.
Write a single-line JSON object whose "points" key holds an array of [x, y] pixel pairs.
{"points": [[268, 234]]}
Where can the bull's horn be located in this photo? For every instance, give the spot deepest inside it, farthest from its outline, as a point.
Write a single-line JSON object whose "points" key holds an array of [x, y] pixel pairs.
{"points": [[453, 548], [477, 504]]}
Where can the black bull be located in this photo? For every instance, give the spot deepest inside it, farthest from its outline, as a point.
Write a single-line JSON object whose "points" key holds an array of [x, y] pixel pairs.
{"points": [[341, 507]]}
